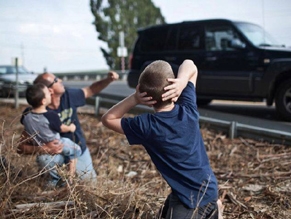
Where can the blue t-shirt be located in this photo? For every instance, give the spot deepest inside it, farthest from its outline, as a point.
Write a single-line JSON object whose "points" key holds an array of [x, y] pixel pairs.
{"points": [[175, 145], [67, 111]]}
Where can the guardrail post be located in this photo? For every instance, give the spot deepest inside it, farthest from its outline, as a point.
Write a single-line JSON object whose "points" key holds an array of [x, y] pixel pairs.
{"points": [[98, 77], [97, 105], [232, 130], [124, 77]]}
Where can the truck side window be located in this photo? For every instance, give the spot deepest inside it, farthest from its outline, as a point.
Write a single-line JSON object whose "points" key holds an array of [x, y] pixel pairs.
{"points": [[189, 38], [153, 40], [219, 38], [171, 40]]}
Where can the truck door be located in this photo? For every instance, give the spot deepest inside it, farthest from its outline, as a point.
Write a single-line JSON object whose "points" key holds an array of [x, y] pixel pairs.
{"points": [[225, 68]]}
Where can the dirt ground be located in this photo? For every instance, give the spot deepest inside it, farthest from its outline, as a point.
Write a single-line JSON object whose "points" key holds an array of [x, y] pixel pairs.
{"points": [[254, 177]]}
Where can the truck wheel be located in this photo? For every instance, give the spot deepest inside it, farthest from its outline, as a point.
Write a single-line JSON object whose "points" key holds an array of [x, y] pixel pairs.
{"points": [[283, 100], [203, 102]]}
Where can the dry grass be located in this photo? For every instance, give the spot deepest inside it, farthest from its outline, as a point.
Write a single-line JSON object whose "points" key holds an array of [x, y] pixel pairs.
{"points": [[254, 177]]}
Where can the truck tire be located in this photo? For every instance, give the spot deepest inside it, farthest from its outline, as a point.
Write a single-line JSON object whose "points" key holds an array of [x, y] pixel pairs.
{"points": [[203, 102], [283, 100]]}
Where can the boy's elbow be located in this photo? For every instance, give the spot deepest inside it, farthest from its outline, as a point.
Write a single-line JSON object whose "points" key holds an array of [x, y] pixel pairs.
{"points": [[104, 120], [189, 61]]}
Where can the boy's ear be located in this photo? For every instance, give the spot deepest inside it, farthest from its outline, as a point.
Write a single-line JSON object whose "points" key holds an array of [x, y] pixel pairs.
{"points": [[137, 87], [43, 101]]}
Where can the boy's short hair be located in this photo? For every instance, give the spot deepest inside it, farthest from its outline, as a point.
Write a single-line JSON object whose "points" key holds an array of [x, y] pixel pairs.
{"points": [[34, 94], [153, 80]]}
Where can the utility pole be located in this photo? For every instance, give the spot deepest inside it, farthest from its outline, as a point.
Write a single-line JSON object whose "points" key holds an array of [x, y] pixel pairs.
{"points": [[16, 94], [22, 53], [122, 50]]}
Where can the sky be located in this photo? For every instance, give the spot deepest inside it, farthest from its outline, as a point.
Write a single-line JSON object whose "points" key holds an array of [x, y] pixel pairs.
{"points": [[58, 35]]}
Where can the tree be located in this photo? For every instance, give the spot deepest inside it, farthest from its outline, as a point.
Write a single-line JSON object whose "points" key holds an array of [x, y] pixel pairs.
{"points": [[114, 16]]}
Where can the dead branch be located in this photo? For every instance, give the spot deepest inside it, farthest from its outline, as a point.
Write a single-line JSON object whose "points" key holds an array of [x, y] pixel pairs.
{"points": [[48, 205]]}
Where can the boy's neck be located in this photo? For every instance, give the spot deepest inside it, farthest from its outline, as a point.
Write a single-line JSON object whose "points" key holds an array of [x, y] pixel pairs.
{"points": [[165, 108], [40, 109]]}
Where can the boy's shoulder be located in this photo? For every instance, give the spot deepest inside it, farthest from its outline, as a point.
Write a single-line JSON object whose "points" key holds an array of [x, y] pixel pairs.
{"points": [[189, 91], [27, 110]]}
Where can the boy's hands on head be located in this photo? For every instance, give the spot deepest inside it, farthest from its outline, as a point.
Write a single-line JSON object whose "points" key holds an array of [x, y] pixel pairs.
{"points": [[174, 90], [142, 98]]}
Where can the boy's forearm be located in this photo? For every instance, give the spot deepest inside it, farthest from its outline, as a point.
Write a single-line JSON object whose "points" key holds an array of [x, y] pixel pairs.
{"points": [[188, 71], [112, 118], [121, 108]]}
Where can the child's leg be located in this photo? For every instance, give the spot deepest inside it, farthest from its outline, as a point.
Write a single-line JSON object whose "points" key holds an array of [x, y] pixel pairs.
{"points": [[84, 166], [72, 169], [49, 163], [71, 149]]}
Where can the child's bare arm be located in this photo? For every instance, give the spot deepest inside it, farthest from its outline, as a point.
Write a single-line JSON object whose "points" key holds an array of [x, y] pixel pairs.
{"points": [[68, 128], [112, 118]]}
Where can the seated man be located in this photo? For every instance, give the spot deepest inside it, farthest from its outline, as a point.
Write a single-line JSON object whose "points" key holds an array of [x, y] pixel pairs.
{"points": [[65, 103]]}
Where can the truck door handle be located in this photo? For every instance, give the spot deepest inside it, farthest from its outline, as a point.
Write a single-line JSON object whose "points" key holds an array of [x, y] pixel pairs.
{"points": [[170, 58], [213, 58]]}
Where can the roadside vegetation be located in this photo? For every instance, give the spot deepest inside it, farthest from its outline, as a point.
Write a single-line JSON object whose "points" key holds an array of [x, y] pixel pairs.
{"points": [[254, 177]]}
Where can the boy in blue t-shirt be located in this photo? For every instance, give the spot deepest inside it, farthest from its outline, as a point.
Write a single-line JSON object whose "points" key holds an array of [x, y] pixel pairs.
{"points": [[45, 126], [171, 137]]}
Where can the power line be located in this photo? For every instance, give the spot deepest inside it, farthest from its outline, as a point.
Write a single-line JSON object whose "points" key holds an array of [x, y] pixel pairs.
{"points": [[71, 22], [25, 35], [77, 50]]}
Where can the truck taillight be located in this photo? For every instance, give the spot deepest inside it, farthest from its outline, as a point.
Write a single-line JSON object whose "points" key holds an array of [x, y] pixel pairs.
{"points": [[130, 61]]}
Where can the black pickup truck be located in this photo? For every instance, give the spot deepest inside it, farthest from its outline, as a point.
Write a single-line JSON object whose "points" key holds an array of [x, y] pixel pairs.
{"points": [[236, 60]]}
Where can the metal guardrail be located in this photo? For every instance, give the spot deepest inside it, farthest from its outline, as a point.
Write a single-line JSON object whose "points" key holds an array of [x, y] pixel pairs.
{"points": [[235, 129], [89, 75], [232, 128]]}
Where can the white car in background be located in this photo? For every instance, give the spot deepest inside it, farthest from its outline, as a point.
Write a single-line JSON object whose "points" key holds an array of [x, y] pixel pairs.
{"points": [[8, 76]]}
